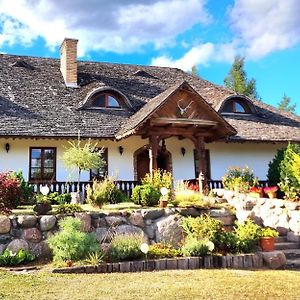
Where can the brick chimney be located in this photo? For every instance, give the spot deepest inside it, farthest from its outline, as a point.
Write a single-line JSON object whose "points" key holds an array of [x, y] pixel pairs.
{"points": [[68, 61]]}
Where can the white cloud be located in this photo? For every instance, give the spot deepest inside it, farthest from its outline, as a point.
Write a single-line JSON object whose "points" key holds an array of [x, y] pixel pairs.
{"points": [[266, 26], [119, 25], [201, 54]]}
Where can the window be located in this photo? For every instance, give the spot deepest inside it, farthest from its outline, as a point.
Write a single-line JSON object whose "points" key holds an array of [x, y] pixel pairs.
{"points": [[42, 164], [236, 106], [103, 171], [207, 164], [107, 100]]}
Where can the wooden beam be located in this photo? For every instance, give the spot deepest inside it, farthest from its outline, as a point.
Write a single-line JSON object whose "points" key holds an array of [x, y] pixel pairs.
{"points": [[183, 121]]}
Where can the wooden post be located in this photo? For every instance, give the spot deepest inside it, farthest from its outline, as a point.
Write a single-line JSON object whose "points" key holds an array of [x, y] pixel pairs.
{"points": [[153, 142], [200, 154]]}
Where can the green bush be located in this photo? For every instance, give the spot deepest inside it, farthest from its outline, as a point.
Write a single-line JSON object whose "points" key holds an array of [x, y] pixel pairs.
{"points": [[247, 234], [158, 180], [8, 258], [274, 168], [159, 250], [145, 195], [68, 208], [103, 192], [56, 198], [202, 228], [268, 232], [195, 247], [27, 194], [239, 179], [126, 247], [70, 243], [289, 183], [226, 242]]}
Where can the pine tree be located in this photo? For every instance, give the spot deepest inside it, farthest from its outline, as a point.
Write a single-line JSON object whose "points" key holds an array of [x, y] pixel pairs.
{"points": [[285, 104], [194, 70], [237, 79]]}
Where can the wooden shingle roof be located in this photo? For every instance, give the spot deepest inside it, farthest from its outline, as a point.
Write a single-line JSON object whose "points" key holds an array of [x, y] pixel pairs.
{"points": [[34, 101]]}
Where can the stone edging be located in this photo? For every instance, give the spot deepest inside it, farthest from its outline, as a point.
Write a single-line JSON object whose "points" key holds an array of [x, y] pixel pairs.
{"points": [[245, 261]]}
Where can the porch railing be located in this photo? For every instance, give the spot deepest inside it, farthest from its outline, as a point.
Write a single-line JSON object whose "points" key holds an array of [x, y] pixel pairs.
{"points": [[126, 186], [67, 187]]}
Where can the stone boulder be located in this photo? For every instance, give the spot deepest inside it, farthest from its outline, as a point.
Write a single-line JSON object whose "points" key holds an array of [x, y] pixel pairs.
{"points": [[101, 234], [4, 224], [113, 221], [129, 229], [41, 250], [2, 248], [32, 235], [86, 221], [17, 244], [47, 222], [137, 219], [274, 259], [153, 213], [168, 230], [27, 221]]}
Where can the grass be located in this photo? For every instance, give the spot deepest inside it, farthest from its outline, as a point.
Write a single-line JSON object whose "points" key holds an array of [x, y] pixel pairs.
{"points": [[196, 284]]}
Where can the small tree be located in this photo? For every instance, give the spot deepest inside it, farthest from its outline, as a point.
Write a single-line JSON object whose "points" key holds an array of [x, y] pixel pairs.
{"points": [[237, 79], [82, 157], [274, 168], [296, 166], [286, 105]]}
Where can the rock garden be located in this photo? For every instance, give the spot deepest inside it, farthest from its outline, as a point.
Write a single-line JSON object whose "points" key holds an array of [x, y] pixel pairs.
{"points": [[164, 225]]}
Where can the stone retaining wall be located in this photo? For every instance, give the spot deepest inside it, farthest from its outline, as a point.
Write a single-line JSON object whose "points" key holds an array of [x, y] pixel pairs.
{"points": [[157, 225], [276, 213]]}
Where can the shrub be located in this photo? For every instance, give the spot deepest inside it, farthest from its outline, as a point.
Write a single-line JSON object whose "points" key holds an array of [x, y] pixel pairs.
{"points": [[57, 198], [239, 179], [126, 247], [27, 194], [95, 258], [202, 228], [226, 242], [10, 190], [247, 235], [8, 258], [274, 168], [71, 243], [103, 192], [159, 250], [145, 195], [289, 183], [268, 232], [195, 247], [68, 208], [158, 180]]}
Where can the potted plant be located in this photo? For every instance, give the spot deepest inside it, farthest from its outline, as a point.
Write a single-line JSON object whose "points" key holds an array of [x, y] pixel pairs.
{"points": [[271, 191], [267, 239], [43, 203], [256, 192]]}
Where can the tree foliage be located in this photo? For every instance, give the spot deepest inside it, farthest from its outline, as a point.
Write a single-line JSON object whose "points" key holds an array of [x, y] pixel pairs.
{"points": [[83, 157], [274, 168], [286, 105], [237, 79], [194, 71]]}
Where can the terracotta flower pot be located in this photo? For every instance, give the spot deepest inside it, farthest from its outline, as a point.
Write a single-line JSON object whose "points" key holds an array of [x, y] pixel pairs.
{"points": [[267, 243], [163, 203]]}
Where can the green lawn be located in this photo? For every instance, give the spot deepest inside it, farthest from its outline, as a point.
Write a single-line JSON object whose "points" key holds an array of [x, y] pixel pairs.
{"points": [[197, 284]]}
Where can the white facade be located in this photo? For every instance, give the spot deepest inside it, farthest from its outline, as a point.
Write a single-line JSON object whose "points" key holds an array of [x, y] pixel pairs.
{"points": [[222, 156]]}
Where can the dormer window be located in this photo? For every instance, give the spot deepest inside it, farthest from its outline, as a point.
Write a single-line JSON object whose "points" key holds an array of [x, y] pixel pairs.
{"points": [[106, 100], [237, 105]]}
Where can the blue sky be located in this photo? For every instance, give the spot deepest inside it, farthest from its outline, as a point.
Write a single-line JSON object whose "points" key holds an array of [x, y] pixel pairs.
{"points": [[176, 33]]}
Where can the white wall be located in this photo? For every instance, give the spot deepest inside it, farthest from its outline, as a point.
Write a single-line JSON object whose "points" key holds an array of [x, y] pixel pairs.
{"points": [[255, 155], [223, 155]]}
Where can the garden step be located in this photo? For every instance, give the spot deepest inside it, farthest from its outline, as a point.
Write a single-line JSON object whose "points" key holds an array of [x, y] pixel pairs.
{"points": [[293, 264], [291, 253], [286, 245], [281, 239]]}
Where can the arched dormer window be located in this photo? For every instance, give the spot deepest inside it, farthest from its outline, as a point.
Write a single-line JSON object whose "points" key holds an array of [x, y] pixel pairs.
{"points": [[106, 100], [237, 105]]}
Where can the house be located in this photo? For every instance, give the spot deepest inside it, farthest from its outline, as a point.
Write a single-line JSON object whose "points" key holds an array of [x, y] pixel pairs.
{"points": [[144, 117]]}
